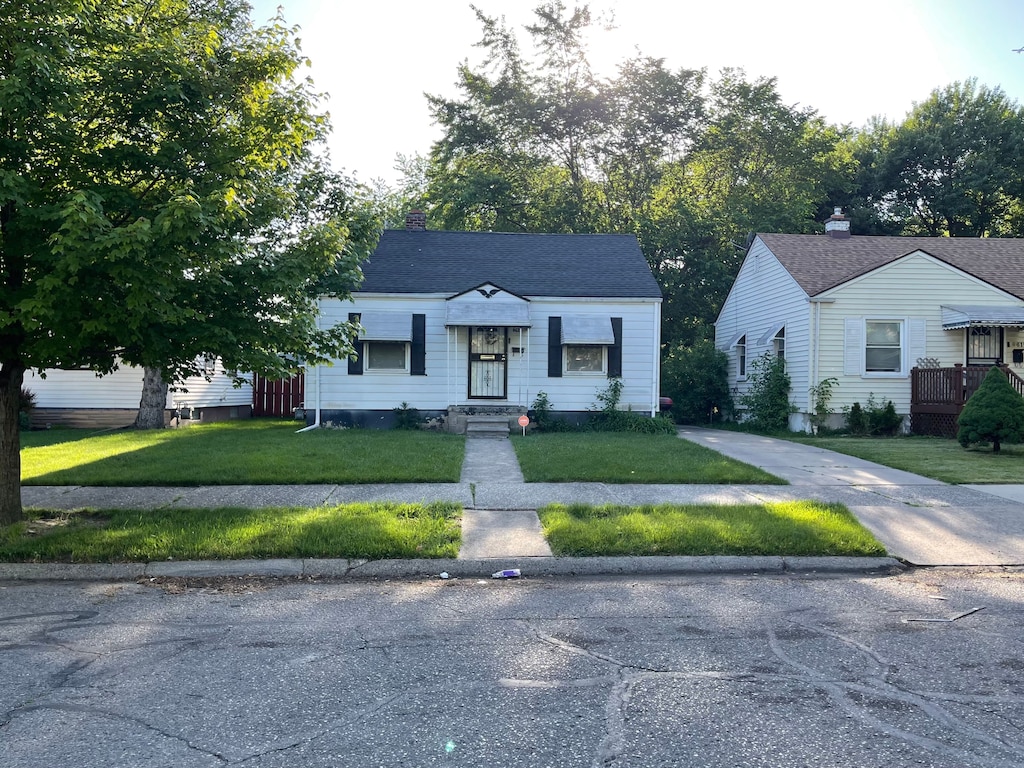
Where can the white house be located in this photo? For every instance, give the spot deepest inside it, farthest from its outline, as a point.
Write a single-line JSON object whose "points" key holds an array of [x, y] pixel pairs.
{"points": [[458, 323], [83, 399], [866, 310]]}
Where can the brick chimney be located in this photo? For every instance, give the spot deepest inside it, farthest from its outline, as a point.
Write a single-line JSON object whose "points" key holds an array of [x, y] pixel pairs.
{"points": [[837, 225], [416, 221]]}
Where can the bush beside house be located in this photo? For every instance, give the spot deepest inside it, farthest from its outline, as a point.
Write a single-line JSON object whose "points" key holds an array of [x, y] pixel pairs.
{"points": [[994, 414]]}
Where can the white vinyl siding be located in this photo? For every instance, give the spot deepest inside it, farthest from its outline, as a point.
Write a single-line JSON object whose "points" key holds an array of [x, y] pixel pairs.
{"points": [[911, 291], [765, 301], [447, 363], [123, 389]]}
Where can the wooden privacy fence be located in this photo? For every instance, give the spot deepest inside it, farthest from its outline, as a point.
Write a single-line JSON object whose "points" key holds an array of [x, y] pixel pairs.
{"points": [[277, 397], [938, 395]]}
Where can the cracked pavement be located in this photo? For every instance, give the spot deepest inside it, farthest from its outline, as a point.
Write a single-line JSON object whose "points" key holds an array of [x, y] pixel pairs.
{"points": [[781, 670]]}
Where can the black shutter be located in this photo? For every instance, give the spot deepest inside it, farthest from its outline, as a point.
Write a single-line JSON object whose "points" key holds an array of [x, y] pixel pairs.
{"points": [[418, 352], [355, 363], [555, 347], [615, 350]]}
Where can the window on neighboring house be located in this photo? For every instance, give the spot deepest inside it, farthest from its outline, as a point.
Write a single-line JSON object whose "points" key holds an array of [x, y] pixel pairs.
{"points": [[208, 365], [779, 344], [883, 346], [741, 357], [585, 358], [386, 355]]}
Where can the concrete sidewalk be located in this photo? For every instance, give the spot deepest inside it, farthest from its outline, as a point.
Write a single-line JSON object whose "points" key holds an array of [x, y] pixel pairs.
{"points": [[919, 520]]}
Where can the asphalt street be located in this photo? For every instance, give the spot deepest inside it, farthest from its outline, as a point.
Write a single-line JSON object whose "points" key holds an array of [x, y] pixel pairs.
{"points": [[922, 668]]}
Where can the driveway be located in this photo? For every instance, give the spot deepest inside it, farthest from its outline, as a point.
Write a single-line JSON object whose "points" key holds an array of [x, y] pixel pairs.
{"points": [[919, 520]]}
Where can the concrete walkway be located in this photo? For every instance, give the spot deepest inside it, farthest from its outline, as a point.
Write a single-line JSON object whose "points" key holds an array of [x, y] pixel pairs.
{"points": [[920, 520]]}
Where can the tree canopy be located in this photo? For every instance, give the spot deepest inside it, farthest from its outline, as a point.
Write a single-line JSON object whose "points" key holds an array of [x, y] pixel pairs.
{"points": [[161, 197]]}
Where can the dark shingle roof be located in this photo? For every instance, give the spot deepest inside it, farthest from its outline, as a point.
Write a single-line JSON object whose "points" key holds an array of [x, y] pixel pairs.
{"points": [[604, 266], [819, 262]]}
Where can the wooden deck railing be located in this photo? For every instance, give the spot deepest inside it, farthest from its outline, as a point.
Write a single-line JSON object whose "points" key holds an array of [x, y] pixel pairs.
{"points": [[937, 395]]}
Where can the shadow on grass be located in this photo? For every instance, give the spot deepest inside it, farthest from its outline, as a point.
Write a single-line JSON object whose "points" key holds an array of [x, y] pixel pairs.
{"points": [[368, 531], [251, 452]]}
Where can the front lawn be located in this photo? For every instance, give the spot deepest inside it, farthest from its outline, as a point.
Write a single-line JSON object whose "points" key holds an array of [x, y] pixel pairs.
{"points": [[614, 457], [247, 452], [363, 531], [934, 457], [796, 528]]}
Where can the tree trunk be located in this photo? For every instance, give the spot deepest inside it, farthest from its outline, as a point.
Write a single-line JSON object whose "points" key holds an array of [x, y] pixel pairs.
{"points": [[12, 374], [154, 400]]}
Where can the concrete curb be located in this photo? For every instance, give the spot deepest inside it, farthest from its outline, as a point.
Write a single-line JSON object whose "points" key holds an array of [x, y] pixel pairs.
{"points": [[464, 569]]}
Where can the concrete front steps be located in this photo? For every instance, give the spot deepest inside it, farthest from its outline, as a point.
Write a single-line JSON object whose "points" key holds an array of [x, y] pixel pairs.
{"points": [[494, 426]]}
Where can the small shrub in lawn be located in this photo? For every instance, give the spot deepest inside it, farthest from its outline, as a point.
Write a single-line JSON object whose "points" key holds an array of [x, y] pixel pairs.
{"points": [[877, 418], [541, 414], [26, 403], [994, 414]]}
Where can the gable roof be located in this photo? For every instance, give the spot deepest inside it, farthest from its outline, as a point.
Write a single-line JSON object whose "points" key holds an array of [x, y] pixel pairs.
{"points": [[819, 262], [433, 261]]}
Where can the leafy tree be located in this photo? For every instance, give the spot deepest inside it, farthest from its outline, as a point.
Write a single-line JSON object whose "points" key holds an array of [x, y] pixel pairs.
{"points": [[993, 414], [160, 199], [952, 167], [697, 380]]}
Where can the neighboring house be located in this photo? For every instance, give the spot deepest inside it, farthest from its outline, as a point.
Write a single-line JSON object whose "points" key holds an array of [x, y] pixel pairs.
{"points": [[458, 323], [866, 310], [83, 399]]}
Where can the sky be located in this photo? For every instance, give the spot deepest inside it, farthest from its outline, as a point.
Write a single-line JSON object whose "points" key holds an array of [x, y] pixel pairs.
{"points": [[849, 61]]}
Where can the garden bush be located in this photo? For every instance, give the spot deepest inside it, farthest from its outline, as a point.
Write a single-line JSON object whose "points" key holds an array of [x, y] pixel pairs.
{"points": [[994, 414]]}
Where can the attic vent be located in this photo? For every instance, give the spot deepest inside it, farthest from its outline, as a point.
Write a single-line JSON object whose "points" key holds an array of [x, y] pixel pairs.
{"points": [[416, 221]]}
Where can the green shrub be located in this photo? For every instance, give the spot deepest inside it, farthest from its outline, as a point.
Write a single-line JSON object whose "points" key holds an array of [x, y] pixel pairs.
{"points": [[876, 418], [856, 421], [697, 380], [821, 395], [407, 417], [994, 414], [26, 403], [767, 399], [542, 418], [610, 419]]}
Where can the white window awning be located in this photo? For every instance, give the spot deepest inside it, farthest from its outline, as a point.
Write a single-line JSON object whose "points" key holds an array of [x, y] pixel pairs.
{"points": [[507, 314], [771, 333], [385, 326], [735, 339], [966, 316], [587, 329]]}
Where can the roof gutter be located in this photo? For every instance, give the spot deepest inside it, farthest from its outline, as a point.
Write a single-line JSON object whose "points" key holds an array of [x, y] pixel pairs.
{"points": [[316, 376]]}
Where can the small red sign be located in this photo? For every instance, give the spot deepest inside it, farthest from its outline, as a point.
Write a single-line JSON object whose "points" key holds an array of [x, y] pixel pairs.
{"points": [[524, 421]]}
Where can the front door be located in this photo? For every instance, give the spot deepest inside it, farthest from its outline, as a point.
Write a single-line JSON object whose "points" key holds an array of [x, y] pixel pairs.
{"points": [[984, 345], [488, 354]]}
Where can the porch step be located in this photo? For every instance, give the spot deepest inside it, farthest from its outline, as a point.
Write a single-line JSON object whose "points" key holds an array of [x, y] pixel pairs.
{"points": [[487, 426]]}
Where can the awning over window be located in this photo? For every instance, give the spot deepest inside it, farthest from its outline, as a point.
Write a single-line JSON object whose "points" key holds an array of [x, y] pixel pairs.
{"points": [[967, 316], [508, 314], [735, 340], [587, 329], [386, 326], [771, 333]]}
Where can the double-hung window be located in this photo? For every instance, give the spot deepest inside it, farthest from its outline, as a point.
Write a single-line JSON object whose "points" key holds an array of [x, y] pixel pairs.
{"points": [[883, 346]]}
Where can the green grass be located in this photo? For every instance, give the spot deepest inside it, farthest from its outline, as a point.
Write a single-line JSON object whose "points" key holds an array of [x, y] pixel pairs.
{"points": [[933, 457], [628, 458], [366, 531], [253, 451], [786, 528]]}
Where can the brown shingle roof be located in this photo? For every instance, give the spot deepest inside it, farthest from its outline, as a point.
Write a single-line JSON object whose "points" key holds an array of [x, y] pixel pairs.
{"points": [[819, 262]]}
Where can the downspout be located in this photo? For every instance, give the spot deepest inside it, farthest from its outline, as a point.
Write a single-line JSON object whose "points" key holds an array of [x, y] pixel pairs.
{"points": [[316, 376]]}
